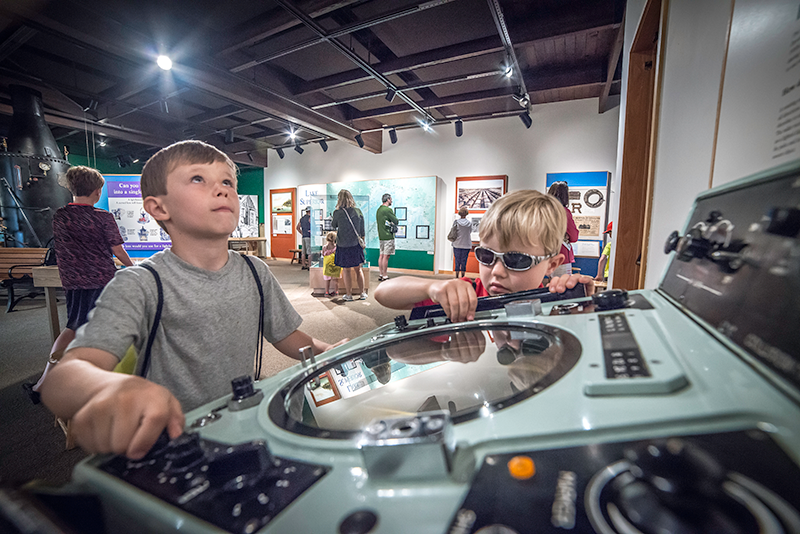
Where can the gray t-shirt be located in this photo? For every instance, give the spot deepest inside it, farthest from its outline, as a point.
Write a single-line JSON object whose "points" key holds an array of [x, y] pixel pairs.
{"points": [[209, 323]]}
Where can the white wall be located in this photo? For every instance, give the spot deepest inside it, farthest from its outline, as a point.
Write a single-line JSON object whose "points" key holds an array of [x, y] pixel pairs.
{"points": [[564, 137], [695, 47]]}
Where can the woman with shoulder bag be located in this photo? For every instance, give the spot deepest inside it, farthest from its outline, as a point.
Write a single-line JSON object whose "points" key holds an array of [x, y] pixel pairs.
{"points": [[461, 234], [348, 222], [560, 190]]}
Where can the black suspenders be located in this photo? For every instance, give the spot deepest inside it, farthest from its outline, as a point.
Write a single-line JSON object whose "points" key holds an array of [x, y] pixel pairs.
{"points": [[160, 306]]}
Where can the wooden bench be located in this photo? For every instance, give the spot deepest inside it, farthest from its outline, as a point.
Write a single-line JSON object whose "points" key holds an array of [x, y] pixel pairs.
{"points": [[15, 269], [296, 257]]}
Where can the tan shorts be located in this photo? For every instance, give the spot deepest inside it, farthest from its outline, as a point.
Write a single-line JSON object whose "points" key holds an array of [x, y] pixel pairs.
{"points": [[387, 247]]}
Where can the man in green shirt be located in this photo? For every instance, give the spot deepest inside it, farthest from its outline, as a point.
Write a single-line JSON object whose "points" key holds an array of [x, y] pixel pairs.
{"points": [[385, 216]]}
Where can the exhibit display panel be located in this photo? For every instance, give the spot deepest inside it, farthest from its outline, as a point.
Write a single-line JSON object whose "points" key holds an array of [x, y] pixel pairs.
{"points": [[412, 199], [588, 203], [122, 197]]}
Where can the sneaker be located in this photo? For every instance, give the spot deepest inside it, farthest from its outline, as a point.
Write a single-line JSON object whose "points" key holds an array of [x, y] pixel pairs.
{"points": [[347, 298], [34, 396], [363, 296]]}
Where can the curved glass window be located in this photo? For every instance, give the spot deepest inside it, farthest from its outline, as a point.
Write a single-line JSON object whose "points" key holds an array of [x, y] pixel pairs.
{"points": [[469, 369]]}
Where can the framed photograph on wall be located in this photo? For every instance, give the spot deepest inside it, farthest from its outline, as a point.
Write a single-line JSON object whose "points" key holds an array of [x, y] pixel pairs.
{"points": [[423, 232], [400, 213], [401, 232], [478, 193], [326, 391]]}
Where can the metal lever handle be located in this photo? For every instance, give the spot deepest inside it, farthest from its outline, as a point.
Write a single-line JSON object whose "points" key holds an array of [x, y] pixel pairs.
{"points": [[307, 359]]}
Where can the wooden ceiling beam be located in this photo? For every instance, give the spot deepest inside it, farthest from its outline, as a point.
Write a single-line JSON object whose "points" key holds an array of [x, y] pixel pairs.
{"points": [[613, 60]]}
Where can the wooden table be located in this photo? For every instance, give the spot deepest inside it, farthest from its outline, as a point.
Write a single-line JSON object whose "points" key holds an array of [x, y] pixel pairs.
{"points": [[256, 246], [48, 278]]}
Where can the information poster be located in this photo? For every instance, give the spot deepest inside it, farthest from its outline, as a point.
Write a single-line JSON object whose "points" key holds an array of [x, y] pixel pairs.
{"points": [[248, 217], [122, 197]]}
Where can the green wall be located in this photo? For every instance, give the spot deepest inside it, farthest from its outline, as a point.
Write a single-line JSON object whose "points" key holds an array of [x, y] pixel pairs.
{"points": [[406, 259]]}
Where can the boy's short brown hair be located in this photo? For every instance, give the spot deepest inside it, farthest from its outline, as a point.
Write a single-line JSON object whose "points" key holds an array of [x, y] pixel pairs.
{"points": [[82, 181], [535, 218], [463, 212], [163, 162]]}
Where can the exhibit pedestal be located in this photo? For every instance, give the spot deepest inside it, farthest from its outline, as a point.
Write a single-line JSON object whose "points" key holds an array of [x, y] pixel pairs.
{"points": [[317, 283]]}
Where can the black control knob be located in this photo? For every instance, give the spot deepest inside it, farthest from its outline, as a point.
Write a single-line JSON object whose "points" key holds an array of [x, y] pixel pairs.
{"points": [[613, 299], [693, 245], [430, 322], [678, 487], [400, 322], [242, 387], [784, 221], [672, 242], [184, 452]]}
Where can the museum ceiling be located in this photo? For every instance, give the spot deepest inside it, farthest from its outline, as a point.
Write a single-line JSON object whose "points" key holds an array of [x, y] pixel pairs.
{"points": [[246, 72]]}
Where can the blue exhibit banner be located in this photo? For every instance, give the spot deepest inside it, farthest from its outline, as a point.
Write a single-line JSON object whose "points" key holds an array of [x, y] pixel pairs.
{"points": [[122, 197]]}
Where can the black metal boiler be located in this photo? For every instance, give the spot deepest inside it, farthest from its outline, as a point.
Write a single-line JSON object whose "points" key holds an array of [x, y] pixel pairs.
{"points": [[29, 169]]}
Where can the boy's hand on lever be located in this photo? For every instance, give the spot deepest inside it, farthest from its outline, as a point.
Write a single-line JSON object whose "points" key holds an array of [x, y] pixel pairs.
{"points": [[457, 298], [559, 284], [127, 417]]}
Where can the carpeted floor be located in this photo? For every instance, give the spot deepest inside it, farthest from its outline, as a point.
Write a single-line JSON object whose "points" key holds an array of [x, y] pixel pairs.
{"points": [[32, 448]]}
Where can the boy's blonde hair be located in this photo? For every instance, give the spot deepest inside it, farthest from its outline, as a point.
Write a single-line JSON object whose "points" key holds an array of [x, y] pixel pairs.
{"points": [[163, 162], [535, 218], [330, 237], [82, 181], [463, 212]]}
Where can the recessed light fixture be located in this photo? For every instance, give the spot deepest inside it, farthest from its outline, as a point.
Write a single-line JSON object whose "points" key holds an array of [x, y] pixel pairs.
{"points": [[164, 62]]}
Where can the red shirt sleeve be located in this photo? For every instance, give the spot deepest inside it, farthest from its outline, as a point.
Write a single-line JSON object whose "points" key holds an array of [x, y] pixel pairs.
{"points": [[477, 284], [572, 230]]}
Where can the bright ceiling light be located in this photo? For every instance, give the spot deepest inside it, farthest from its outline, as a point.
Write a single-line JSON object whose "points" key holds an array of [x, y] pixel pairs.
{"points": [[164, 62], [102, 142], [509, 72], [426, 126], [292, 134]]}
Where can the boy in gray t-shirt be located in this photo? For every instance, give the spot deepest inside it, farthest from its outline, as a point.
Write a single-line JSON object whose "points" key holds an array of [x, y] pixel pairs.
{"points": [[208, 331]]}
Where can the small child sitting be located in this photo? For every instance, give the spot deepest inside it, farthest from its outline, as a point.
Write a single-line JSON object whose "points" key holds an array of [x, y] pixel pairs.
{"points": [[520, 240], [330, 271]]}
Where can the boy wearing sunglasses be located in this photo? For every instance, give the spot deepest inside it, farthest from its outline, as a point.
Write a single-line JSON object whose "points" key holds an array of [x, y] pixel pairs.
{"points": [[520, 240]]}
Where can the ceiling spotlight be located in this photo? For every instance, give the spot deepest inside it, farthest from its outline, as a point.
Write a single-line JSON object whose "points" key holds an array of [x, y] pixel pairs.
{"points": [[393, 135], [459, 128], [164, 106], [228, 136], [509, 71], [135, 160], [360, 140], [164, 62], [324, 144], [292, 134], [92, 105], [279, 150], [390, 94], [426, 126], [249, 156], [102, 142], [526, 119], [122, 161], [298, 149]]}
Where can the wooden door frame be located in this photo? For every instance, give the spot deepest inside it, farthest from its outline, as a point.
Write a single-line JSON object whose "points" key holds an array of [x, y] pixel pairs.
{"points": [[293, 191], [632, 227]]}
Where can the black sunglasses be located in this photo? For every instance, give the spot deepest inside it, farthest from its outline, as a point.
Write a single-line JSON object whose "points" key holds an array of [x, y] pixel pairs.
{"points": [[514, 261]]}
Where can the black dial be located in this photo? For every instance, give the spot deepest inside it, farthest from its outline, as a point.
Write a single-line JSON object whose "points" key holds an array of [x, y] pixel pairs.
{"points": [[613, 299]]}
